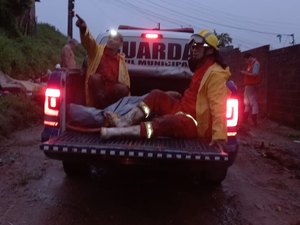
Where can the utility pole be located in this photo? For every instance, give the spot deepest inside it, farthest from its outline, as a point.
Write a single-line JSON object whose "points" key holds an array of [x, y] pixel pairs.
{"points": [[71, 14], [293, 39]]}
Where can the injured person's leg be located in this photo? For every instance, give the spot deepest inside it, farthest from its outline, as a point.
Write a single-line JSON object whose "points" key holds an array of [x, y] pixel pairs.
{"points": [[134, 116]]}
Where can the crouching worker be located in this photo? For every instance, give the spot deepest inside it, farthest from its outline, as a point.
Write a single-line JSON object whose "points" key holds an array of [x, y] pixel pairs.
{"points": [[107, 79], [200, 112]]}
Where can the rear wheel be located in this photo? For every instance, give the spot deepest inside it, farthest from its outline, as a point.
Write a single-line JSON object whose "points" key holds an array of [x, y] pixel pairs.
{"points": [[215, 176], [76, 169]]}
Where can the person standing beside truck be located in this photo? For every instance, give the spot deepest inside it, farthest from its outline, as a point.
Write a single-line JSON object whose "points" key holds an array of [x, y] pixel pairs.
{"points": [[252, 79], [67, 54], [107, 78], [201, 112]]}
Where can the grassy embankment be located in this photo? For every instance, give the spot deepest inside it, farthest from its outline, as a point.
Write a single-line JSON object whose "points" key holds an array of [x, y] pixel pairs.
{"points": [[28, 58]]}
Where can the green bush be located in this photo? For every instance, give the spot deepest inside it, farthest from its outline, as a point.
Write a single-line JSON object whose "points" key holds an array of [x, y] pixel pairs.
{"points": [[28, 58]]}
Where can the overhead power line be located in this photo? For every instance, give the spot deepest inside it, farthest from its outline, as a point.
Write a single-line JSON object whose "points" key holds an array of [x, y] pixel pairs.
{"points": [[220, 24], [190, 15]]}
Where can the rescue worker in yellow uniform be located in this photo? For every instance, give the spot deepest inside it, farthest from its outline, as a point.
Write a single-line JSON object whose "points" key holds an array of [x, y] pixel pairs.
{"points": [[201, 112], [107, 78]]}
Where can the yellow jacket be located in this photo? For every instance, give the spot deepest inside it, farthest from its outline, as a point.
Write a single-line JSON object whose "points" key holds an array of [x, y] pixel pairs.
{"points": [[211, 103], [95, 53]]}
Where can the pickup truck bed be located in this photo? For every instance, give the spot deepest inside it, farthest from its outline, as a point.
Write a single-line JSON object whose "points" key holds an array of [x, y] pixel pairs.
{"points": [[79, 143], [79, 150], [193, 156]]}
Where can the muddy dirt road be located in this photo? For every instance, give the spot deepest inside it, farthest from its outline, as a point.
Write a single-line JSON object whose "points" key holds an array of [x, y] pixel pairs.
{"points": [[262, 187]]}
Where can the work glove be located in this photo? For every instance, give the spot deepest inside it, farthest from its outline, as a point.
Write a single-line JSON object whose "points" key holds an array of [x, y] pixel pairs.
{"points": [[218, 144], [80, 23]]}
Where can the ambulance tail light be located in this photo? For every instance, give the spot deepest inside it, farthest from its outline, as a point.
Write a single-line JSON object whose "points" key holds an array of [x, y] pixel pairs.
{"points": [[152, 36], [232, 116], [51, 106]]}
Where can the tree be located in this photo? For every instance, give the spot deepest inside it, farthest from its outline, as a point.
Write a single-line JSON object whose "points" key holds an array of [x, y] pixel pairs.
{"points": [[224, 39], [11, 14]]}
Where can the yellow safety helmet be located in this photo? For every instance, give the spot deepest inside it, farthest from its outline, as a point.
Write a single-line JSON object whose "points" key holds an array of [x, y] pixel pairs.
{"points": [[206, 36]]}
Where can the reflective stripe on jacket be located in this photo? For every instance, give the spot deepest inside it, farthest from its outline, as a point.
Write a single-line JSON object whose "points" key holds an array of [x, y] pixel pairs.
{"points": [[95, 53], [211, 103]]}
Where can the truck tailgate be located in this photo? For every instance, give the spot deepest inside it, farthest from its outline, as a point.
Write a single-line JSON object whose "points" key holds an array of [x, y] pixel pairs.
{"points": [[71, 142]]}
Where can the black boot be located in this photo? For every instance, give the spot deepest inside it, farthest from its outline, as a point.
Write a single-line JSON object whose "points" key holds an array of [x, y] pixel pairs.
{"points": [[245, 118]]}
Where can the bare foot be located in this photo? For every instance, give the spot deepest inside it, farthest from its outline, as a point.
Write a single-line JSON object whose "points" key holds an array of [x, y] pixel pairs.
{"points": [[112, 119]]}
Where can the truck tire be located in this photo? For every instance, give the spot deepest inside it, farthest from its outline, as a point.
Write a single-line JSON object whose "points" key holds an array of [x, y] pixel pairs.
{"points": [[215, 177], [76, 169]]}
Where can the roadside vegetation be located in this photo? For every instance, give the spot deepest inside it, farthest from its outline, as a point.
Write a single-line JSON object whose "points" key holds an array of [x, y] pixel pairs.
{"points": [[26, 57]]}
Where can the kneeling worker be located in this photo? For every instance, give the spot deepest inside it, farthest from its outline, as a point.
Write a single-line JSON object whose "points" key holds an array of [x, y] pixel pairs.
{"points": [[107, 79]]}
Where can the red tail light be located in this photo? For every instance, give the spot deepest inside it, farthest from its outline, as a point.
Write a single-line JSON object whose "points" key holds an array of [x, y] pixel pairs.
{"points": [[52, 92], [151, 36], [51, 106], [232, 113]]}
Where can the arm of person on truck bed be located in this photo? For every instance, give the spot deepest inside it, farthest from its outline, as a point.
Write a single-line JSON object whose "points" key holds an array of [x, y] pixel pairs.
{"points": [[87, 39], [217, 96]]}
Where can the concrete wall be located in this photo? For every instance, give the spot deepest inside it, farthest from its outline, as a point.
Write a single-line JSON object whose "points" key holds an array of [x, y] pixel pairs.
{"points": [[279, 93], [284, 86]]}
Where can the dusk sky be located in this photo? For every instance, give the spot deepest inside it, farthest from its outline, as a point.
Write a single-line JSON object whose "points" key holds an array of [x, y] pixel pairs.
{"points": [[251, 24]]}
